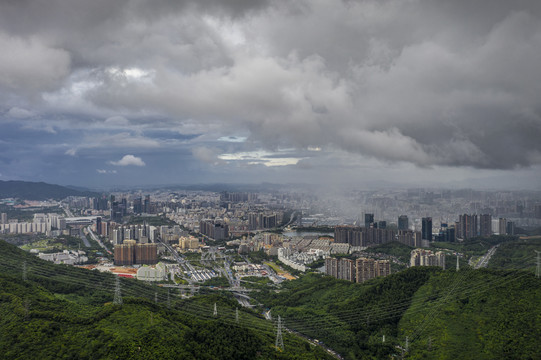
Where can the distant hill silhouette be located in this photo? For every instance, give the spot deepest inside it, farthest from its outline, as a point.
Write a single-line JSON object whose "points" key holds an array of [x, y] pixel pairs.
{"points": [[38, 190]]}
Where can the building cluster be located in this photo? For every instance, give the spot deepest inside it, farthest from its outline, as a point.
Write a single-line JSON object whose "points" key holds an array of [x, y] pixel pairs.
{"points": [[214, 229], [42, 223], [363, 236], [188, 243], [132, 253], [152, 273], [299, 260], [264, 220], [357, 270], [423, 257], [68, 257]]}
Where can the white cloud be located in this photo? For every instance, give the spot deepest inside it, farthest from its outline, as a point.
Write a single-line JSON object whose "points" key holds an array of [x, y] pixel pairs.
{"points": [[103, 171], [207, 155], [266, 158], [128, 160], [29, 65], [19, 113]]}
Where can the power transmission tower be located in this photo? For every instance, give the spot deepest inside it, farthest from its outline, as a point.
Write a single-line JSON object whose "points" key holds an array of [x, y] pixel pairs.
{"points": [[237, 314], [24, 271], [215, 313], [118, 294], [279, 340], [457, 263], [155, 297], [407, 344], [429, 343], [538, 268], [383, 339]]}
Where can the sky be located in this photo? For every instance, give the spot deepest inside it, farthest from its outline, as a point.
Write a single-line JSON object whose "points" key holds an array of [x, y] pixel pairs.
{"points": [[371, 93]]}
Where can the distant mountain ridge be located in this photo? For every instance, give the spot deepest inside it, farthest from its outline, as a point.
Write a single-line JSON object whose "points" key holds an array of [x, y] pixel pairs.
{"points": [[38, 190]]}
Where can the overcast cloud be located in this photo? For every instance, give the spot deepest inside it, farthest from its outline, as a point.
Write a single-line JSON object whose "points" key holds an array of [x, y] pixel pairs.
{"points": [[254, 91]]}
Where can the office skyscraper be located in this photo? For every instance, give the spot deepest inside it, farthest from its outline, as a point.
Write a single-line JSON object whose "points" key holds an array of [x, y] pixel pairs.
{"points": [[426, 231], [368, 219], [485, 225], [403, 223]]}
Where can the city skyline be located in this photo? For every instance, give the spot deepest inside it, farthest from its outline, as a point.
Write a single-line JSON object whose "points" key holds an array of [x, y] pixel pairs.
{"points": [[364, 93]]}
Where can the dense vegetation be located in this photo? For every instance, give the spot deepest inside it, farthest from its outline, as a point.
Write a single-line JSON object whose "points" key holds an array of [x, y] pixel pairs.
{"points": [[518, 254], [495, 314], [479, 314], [401, 251], [475, 246], [38, 191], [66, 312]]}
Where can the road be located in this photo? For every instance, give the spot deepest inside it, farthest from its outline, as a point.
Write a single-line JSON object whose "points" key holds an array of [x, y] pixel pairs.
{"points": [[97, 239], [83, 237], [486, 258], [68, 211]]}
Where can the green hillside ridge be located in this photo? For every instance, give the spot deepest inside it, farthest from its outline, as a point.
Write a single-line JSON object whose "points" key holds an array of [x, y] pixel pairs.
{"points": [[517, 254], [481, 314], [38, 191], [66, 312]]}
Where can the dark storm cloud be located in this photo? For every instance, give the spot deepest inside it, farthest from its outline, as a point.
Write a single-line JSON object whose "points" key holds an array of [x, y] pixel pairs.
{"points": [[451, 83]]}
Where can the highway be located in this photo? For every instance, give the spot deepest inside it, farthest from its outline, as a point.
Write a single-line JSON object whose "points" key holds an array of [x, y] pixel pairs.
{"points": [[96, 239], [83, 237], [486, 258]]}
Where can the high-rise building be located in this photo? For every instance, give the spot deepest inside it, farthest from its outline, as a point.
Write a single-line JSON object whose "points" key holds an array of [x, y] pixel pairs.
{"points": [[485, 225], [403, 222], [368, 219], [357, 236], [467, 226], [510, 228], [358, 270], [3, 218], [410, 238], [502, 226], [216, 230], [146, 254], [125, 253], [137, 205], [98, 225], [367, 269], [146, 205], [130, 253], [347, 270], [426, 229], [422, 257]]}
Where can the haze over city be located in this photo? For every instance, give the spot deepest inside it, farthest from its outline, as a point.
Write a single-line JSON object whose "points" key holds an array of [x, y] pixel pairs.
{"points": [[369, 93]]}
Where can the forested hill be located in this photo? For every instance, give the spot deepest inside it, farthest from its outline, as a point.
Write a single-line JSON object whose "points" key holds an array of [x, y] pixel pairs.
{"points": [[52, 311], [38, 190], [435, 314]]}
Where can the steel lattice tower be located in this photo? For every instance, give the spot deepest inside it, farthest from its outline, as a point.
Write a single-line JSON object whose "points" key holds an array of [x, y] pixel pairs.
{"points": [[279, 341]]}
